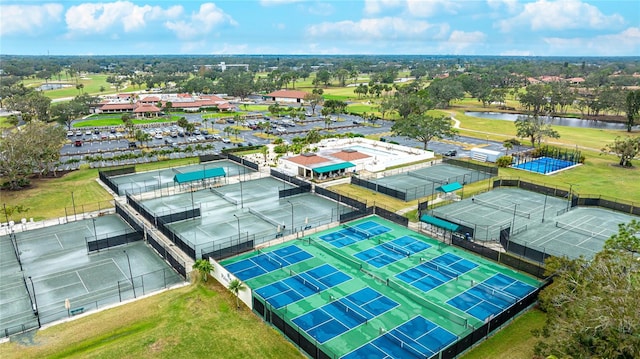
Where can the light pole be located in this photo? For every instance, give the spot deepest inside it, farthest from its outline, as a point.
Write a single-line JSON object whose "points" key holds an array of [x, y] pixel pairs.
{"points": [[95, 233], [569, 196], [241, 200], [130, 273], [291, 215], [238, 219], [513, 221], [73, 203], [35, 302]]}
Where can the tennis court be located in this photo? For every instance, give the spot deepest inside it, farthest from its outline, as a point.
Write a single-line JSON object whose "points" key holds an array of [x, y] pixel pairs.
{"points": [[486, 214], [153, 180], [423, 182], [57, 268], [241, 211], [580, 231], [373, 288]]}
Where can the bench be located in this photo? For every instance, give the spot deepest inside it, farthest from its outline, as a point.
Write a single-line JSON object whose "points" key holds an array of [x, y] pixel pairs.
{"points": [[77, 311]]}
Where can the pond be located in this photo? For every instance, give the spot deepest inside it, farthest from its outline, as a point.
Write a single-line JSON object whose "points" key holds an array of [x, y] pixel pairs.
{"points": [[52, 86], [558, 121]]}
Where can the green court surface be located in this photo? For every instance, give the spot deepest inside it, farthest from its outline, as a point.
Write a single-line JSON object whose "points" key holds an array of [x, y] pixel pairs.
{"points": [[545, 223], [581, 231], [487, 213], [424, 182], [57, 267], [373, 288], [249, 209], [152, 180]]}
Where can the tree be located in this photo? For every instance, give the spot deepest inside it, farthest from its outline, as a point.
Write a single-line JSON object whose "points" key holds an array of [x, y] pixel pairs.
{"points": [[443, 91], [143, 137], [335, 106], [534, 127], [592, 305], [182, 122], [275, 109], [32, 105], [322, 77], [33, 150], [8, 211], [204, 267], [424, 128], [625, 148], [313, 99], [632, 108], [534, 99], [236, 286]]}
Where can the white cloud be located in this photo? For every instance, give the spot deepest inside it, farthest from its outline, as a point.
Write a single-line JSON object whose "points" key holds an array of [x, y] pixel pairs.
{"points": [[200, 23], [373, 7], [459, 41], [386, 28], [620, 44], [411, 8], [28, 19], [105, 17], [510, 5], [322, 9], [421, 8], [277, 2], [561, 15]]}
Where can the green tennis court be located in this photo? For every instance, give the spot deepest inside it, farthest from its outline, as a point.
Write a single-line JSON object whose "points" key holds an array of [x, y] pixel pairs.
{"points": [[57, 268], [152, 180], [373, 288]]}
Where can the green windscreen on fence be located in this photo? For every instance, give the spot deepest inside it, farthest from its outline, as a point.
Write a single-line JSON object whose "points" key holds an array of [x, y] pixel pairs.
{"points": [[439, 222], [181, 178]]}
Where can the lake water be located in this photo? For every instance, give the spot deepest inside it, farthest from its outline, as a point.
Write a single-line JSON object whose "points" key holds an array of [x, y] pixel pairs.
{"points": [[558, 121], [46, 87]]}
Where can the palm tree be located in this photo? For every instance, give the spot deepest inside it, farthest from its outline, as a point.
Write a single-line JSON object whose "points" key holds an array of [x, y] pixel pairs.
{"points": [[204, 267], [236, 286]]}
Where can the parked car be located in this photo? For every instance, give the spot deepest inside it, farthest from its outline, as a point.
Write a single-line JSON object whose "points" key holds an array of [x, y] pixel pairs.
{"points": [[226, 140], [69, 133], [133, 144], [450, 153], [78, 143]]}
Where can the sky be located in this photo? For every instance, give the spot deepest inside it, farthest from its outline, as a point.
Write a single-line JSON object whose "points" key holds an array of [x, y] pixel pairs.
{"points": [[330, 27]]}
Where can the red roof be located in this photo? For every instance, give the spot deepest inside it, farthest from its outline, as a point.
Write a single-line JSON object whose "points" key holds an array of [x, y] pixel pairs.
{"points": [[117, 106], [349, 155], [146, 107], [153, 99], [288, 94], [308, 160]]}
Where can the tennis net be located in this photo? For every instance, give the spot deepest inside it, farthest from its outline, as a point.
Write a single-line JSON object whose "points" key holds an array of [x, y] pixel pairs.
{"points": [[448, 272], [396, 249], [435, 308], [351, 312], [581, 231], [408, 347], [304, 281], [224, 196], [502, 208], [336, 254], [431, 179], [495, 292], [358, 232], [271, 259], [262, 216]]}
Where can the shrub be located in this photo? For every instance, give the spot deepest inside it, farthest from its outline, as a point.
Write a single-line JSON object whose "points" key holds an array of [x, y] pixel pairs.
{"points": [[504, 161]]}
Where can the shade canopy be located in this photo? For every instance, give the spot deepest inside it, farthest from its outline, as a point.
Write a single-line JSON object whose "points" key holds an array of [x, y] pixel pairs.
{"points": [[333, 167], [449, 187], [181, 178], [439, 222]]}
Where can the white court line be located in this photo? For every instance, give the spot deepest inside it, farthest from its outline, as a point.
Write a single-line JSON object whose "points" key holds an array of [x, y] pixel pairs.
{"points": [[81, 281], [58, 239], [120, 269]]}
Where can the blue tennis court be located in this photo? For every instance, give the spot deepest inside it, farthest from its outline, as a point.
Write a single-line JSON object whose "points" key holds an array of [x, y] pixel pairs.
{"points": [[439, 270], [392, 251], [344, 314], [544, 165], [491, 297], [267, 262], [356, 233], [416, 338], [299, 286]]}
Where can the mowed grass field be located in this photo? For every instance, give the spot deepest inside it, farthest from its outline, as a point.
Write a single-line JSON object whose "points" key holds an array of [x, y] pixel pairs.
{"points": [[195, 321]]}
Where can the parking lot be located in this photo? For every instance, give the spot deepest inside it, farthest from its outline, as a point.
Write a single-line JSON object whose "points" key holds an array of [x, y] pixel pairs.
{"points": [[113, 141]]}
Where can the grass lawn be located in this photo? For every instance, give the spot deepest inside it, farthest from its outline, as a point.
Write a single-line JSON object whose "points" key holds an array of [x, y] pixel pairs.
{"points": [[513, 342], [196, 321], [48, 198]]}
